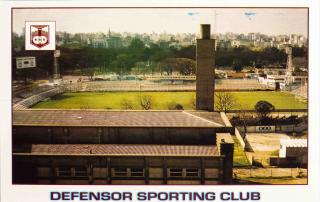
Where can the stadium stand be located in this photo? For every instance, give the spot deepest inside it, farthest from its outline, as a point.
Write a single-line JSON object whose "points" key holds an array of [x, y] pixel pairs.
{"points": [[35, 98], [226, 84], [34, 91]]}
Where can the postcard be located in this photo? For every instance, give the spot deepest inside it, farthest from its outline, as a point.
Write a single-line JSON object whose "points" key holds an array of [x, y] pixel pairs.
{"points": [[142, 102]]}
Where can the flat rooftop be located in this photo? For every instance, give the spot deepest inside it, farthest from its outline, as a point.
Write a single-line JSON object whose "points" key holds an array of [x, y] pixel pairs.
{"points": [[114, 118], [122, 150]]}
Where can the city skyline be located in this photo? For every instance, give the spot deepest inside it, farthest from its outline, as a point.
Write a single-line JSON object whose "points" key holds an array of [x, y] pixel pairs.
{"points": [[271, 21]]}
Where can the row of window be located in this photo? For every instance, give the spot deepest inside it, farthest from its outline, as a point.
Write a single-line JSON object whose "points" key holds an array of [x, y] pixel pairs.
{"points": [[127, 172], [76, 172], [183, 172]]}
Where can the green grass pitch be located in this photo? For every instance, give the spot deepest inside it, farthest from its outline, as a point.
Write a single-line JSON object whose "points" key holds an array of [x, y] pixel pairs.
{"points": [[161, 100]]}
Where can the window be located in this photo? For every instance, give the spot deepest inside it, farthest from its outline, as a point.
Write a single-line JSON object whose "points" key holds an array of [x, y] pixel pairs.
{"points": [[128, 172], [72, 172], [184, 172], [175, 172], [120, 172], [137, 172], [192, 172], [80, 172], [64, 172]]}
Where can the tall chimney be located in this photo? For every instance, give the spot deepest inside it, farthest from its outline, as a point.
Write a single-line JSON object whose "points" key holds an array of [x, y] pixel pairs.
{"points": [[205, 70]]}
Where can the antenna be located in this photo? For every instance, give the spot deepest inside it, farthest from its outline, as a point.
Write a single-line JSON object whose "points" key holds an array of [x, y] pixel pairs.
{"points": [[215, 23]]}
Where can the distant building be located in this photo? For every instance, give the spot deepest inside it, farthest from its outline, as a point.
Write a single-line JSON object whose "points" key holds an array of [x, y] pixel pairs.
{"points": [[108, 41], [235, 43], [224, 44], [292, 153], [99, 43], [293, 148]]}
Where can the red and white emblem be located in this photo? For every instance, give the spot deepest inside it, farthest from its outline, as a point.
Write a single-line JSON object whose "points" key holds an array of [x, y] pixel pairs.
{"points": [[39, 35]]}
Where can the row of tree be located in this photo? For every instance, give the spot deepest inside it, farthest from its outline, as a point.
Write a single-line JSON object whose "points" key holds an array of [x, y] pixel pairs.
{"points": [[151, 58]]}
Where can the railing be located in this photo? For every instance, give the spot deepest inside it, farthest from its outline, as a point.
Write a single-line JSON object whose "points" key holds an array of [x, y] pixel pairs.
{"points": [[275, 111]]}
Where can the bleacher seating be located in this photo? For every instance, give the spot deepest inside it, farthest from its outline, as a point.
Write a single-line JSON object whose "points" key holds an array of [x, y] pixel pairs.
{"points": [[301, 92], [34, 91], [31, 100], [221, 84]]}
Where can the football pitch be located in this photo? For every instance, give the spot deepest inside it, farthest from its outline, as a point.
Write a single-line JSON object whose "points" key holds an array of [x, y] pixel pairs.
{"points": [[161, 100]]}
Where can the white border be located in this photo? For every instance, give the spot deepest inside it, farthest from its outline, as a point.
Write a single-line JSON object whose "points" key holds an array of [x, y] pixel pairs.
{"points": [[269, 193]]}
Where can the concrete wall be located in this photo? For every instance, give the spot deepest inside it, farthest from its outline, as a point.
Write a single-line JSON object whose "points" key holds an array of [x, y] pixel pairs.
{"points": [[289, 162], [236, 131], [100, 170], [239, 138]]}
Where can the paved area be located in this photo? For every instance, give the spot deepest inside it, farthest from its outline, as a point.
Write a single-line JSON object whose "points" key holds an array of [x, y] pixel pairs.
{"points": [[265, 142]]}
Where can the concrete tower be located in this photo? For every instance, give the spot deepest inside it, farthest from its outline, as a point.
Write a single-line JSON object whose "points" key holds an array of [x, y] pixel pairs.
{"points": [[205, 70]]}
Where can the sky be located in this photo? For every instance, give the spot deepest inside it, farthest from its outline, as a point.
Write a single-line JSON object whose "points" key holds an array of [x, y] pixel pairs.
{"points": [[271, 21]]}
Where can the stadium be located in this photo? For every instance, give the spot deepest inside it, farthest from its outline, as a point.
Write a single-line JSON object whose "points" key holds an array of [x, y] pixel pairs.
{"points": [[162, 129]]}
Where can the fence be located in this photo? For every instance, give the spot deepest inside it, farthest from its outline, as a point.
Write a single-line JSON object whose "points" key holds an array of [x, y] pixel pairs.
{"points": [[275, 111], [269, 172], [73, 87], [275, 129]]}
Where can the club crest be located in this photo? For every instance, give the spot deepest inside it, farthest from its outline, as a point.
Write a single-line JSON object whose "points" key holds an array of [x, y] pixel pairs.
{"points": [[39, 35]]}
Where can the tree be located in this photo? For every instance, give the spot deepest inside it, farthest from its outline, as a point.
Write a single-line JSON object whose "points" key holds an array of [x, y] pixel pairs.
{"points": [[126, 104], [146, 102], [237, 65], [124, 62], [89, 72], [174, 106], [263, 108], [244, 117], [186, 66], [224, 101]]}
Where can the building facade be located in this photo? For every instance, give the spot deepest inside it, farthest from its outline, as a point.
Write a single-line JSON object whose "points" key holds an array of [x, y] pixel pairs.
{"points": [[124, 147]]}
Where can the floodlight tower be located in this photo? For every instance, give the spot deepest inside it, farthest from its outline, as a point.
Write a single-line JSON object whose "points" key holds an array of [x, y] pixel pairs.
{"points": [[56, 72], [290, 69]]}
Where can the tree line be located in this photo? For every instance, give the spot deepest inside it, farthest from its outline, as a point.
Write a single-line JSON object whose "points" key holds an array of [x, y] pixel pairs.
{"points": [[155, 57]]}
